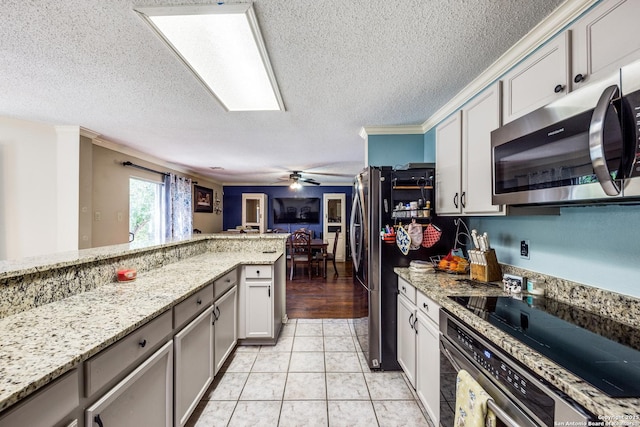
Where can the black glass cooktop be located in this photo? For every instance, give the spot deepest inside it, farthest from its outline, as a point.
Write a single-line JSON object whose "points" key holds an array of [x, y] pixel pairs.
{"points": [[603, 352]]}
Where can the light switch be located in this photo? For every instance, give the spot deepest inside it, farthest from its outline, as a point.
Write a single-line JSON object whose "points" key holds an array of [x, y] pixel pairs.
{"points": [[97, 216]]}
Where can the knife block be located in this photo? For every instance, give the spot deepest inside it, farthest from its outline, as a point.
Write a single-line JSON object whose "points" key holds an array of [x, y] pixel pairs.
{"points": [[484, 266]]}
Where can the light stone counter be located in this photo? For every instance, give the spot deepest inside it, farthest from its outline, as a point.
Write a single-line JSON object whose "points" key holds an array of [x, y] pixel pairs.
{"points": [[438, 286], [40, 344]]}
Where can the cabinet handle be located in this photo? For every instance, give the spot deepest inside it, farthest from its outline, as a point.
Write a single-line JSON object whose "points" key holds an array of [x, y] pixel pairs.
{"points": [[558, 88], [578, 78], [257, 272], [217, 315], [415, 328], [142, 343], [98, 420], [462, 197], [410, 320], [455, 200], [269, 291], [404, 289], [424, 304], [199, 301]]}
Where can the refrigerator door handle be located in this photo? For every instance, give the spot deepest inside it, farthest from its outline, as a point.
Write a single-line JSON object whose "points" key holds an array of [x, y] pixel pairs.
{"points": [[355, 249]]}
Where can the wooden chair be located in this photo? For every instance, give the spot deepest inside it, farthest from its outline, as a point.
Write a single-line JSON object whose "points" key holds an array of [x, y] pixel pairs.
{"points": [[332, 256], [300, 251]]}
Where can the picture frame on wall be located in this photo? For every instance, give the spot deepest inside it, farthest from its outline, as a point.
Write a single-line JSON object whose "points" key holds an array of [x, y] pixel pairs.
{"points": [[203, 199]]}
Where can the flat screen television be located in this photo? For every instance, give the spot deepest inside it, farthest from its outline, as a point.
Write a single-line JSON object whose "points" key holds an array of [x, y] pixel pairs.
{"points": [[296, 210]]}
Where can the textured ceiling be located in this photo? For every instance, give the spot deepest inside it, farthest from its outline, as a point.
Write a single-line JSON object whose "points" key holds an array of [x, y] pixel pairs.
{"points": [[340, 65]]}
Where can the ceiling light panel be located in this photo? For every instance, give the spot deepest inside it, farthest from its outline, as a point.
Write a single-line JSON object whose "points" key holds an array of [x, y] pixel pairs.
{"points": [[223, 46]]}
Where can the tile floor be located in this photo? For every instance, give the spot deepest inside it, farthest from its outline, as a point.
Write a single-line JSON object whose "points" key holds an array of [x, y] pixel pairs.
{"points": [[314, 376]]}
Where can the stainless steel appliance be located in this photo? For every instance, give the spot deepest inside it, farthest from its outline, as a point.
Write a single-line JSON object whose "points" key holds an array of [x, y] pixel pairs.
{"points": [[376, 192], [600, 351], [582, 148]]}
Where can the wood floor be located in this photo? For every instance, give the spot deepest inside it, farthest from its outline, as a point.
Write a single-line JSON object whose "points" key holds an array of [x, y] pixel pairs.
{"points": [[320, 298]]}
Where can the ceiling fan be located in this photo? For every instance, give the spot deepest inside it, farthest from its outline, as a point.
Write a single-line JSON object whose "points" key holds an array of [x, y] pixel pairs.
{"points": [[295, 177]]}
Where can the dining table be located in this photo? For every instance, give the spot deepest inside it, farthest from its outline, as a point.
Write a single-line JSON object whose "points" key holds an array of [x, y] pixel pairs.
{"points": [[319, 245]]}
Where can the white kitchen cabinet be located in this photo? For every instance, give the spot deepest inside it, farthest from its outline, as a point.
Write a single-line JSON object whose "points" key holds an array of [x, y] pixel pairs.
{"points": [[463, 157], [334, 208], [449, 166], [142, 398], [428, 356], [193, 365], [480, 117], [538, 80], [407, 331], [225, 327], [256, 302], [50, 406], [602, 40], [254, 211]]}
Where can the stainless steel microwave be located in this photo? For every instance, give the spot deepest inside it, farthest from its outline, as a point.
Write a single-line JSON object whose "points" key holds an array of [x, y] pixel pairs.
{"points": [[583, 148]]}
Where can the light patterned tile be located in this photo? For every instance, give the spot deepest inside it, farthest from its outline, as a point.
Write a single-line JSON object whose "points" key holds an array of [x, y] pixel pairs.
{"points": [[339, 344], [399, 413], [227, 386], [271, 362], [283, 344], [351, 413], [387, 386], [336, 330], [309, 321], [212, 414], [288, 330], [264, 386], [309, 330], [247, 349], [305, 386], [262, 414], [307, 361], [329, 321], [240, 362], [303, 414], [308, 344], [342, 362], [346, 386]]}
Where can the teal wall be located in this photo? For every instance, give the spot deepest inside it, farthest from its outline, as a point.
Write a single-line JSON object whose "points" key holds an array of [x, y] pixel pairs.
{"points": [[430, 146], [396, 150], [594, 245]]}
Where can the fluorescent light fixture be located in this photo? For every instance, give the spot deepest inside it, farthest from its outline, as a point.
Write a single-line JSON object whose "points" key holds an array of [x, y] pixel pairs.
{"points": [[222, 45]]}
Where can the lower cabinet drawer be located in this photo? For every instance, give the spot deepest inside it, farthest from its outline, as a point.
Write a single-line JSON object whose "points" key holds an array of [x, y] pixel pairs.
{"points": [[109, 363], [428, 307], [48, 406], [189, 308], [257, 271], [223, 284]]}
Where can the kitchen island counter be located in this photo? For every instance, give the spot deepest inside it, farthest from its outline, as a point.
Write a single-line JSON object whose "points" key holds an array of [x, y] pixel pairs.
{"points": [[438, 286], [40, 344]]}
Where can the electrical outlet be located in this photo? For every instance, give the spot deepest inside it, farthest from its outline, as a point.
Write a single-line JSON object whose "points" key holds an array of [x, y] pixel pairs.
{"points": [[524, 249]]}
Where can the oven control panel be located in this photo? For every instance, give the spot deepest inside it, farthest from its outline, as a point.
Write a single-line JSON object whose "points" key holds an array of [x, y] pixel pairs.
{"points": [[503, 372]]}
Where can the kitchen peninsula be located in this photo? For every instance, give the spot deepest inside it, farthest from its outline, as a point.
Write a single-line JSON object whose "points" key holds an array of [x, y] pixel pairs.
{"points": [[59, 314]]}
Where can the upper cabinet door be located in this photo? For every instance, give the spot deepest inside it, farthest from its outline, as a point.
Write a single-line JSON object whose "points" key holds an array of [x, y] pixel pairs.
{"points": [[479, 117], [604, 40], [538, 80], [448, 161]]}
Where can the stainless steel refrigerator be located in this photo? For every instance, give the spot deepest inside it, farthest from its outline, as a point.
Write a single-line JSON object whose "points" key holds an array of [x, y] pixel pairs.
{"points": [[375, 283]]}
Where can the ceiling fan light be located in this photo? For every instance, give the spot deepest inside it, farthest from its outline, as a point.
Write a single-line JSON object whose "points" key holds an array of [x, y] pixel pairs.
{"points": [[295, 185]]}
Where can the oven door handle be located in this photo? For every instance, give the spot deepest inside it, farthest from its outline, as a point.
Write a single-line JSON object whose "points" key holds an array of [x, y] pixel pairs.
{"points": [[500, 414], [596, 141]]}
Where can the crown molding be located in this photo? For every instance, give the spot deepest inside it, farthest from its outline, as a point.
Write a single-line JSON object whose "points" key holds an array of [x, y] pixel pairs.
{"points": [[88, 133], [560, 18], [391, 130]]}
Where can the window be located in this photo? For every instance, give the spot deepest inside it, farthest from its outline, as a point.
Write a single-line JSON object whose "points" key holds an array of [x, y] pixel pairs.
{"points": [[146, 210]]}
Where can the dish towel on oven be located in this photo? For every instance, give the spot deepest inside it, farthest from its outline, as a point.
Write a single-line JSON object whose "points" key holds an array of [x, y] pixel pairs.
{"points": [[471, 403]]}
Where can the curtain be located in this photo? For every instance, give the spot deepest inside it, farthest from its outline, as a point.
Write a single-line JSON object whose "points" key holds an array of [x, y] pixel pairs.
{"points": [[178, 199]]}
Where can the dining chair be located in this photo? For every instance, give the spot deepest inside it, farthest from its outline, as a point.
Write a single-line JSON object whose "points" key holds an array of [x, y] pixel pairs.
{"points": [[332, 255], [300, 251]]}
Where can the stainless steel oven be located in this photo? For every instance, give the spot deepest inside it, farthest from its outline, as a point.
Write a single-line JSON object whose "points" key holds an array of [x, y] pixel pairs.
{"points": [[518, 397]]}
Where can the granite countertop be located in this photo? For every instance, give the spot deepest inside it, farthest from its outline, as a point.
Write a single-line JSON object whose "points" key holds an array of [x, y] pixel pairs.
{"points": [[39, 345], [438, 286]]}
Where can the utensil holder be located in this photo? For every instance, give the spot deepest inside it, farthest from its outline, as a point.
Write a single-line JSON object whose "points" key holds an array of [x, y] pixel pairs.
{"points": [[484, 266]]}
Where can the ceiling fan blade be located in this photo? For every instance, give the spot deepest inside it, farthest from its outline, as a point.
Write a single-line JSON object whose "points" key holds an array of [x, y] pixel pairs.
{"points": [[311, 181]]}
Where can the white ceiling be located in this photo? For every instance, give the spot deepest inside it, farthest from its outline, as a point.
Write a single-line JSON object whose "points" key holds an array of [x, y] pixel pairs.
{"points": [[340, 65]]}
